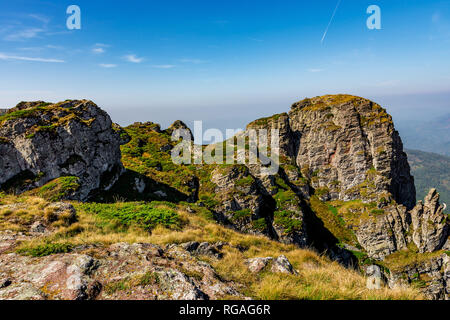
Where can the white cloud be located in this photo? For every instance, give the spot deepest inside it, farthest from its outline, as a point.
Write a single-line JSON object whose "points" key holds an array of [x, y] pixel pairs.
{"points": [[164, 66], [24, 34], [107, 65], [50, 46], [194, 61], [132, 58], [98, 50], [315, 70], [8, 57], [40, 18]]}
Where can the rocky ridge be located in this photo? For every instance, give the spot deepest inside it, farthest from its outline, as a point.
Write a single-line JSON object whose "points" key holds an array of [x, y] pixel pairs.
{"points": [[343, 188], [40, 142]]}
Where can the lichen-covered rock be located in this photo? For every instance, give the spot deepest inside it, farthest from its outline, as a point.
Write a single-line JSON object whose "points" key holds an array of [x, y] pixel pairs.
{"points": [[374, 277], [121, 271], [256, 265], [429, 224], [240, 201], [432, 276], [386, 233], [282, 265], [40, 142], [341, 138]]}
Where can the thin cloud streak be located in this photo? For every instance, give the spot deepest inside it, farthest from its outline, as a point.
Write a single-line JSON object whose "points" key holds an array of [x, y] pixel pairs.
{"points": [[24, 34], [164, 66], [107, 65], [8, 57], [331, 20]]}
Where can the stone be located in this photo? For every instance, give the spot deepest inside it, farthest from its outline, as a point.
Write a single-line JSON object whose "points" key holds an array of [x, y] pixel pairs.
{"points": [[5, 283], [55, 210], [256, 265], [71, 138], [374, 277], [38, 227], [160, 194], [282, 265]]}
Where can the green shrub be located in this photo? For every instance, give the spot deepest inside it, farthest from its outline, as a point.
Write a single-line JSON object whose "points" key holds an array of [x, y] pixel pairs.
{"points": [[45, 249], [58, 189], [260, 224], [285, 219], [144, 215], [241, 215]]}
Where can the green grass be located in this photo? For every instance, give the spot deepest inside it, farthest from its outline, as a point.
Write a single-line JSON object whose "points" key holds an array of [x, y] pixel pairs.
{"points": [[332, 221], [241, 215], [24, 113], [285, 219], [260, 224], [146, 215], [58, 189], [46, 249]]}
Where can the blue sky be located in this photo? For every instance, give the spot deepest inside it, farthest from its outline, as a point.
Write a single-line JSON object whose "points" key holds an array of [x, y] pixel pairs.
{"points": [[225, 62]]}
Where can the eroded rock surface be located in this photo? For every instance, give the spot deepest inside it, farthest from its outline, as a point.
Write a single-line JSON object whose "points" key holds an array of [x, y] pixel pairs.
{"points": [[40, 142]]}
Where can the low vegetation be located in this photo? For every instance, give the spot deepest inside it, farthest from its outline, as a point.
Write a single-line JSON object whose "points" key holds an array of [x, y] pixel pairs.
{"points": [[166, 223]]}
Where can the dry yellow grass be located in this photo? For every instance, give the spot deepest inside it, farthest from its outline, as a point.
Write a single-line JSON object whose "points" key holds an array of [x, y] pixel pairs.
{"points": [[319, 277]]}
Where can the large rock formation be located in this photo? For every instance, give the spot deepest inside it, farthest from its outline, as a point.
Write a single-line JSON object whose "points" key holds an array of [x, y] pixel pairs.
{"points": [[430, 228], [339, 140], [343, 186], [40, 142]]}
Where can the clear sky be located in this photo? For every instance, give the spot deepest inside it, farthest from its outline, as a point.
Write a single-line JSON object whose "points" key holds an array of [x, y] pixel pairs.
{"points": [[225, 62]]}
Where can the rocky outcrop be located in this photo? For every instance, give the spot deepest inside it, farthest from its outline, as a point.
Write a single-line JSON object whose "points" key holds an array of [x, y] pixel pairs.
{"points": [[374, 277], [118, 272], [430, 227], [338, 141], [386, 233], [432, 276], [278, 265], [40, 142]]}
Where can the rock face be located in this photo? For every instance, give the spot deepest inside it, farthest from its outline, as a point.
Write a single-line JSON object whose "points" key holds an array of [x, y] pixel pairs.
{"points": [[338, 140], [343, 188], [121, 271], [431, 275], [429, 224], [40, 142]]}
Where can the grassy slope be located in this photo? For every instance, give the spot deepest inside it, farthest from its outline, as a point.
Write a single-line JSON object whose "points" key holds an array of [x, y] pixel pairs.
{"points": [[430, 170], [103, 224]]}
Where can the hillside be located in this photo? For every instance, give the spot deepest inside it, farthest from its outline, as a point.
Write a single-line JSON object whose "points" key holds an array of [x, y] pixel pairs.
{"points": [[337, 220], [430, 170]]}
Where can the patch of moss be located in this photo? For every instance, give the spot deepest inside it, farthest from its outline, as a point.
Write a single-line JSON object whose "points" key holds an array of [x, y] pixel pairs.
{"points": [[46, 249], [260, 224], [287, 220], [332, 221], [145, 215], [58, 189], [241, 215]]}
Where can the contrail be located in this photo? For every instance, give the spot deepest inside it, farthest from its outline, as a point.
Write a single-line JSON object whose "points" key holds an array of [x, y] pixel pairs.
{"points": [[331, 20]]}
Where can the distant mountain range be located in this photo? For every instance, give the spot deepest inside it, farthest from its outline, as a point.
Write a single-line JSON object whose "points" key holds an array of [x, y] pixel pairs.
{"points": [[430, 170], [430, 136]]}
